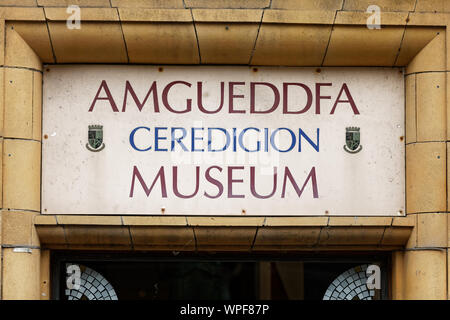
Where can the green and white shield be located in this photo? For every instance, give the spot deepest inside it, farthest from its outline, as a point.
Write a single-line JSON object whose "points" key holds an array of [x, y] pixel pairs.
{"points": [[95, 138], [352, 140]]}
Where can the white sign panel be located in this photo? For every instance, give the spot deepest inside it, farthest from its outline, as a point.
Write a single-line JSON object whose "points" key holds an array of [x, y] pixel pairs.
{"points": [[204, 140]]}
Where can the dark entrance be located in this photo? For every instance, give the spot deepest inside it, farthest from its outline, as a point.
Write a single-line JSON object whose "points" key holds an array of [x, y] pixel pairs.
{"points": [[176, 276]]}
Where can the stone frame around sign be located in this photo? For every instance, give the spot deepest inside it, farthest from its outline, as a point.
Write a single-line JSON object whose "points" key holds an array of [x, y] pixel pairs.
{"points": [[35, 36]]}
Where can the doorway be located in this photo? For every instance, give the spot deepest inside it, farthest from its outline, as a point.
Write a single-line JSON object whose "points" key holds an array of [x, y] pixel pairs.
{"points": [[190, 276]]}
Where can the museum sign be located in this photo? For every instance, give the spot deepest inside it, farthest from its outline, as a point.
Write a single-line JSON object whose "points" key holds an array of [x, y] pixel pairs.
{"points": [[191, 140]]}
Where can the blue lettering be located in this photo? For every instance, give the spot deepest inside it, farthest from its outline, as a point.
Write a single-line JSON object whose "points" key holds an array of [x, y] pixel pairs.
{"points": [[157, 138], [178, 140], [227, 135], [194, 138], [272, 138], [241, 138], [132, 139], [303, 134]]}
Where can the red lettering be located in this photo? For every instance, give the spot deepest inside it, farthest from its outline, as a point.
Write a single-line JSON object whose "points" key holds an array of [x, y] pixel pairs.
{"points": [[165, 98], [253, 183], [232, 96], [276, 101], [215, 182], [147, 191], [175, 183], [231, 181], [349, 97], [200, 98], [285, 97], [312, 176], [108, 97], [129, 88], [319, 97]]}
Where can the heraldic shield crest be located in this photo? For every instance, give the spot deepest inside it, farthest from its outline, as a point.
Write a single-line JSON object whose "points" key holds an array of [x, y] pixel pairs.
{"points": [[95, 138], [352, 140]]}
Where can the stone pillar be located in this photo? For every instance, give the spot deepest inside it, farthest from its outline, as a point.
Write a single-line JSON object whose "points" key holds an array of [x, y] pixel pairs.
{"points": [[21, 102], [420, 271]]}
